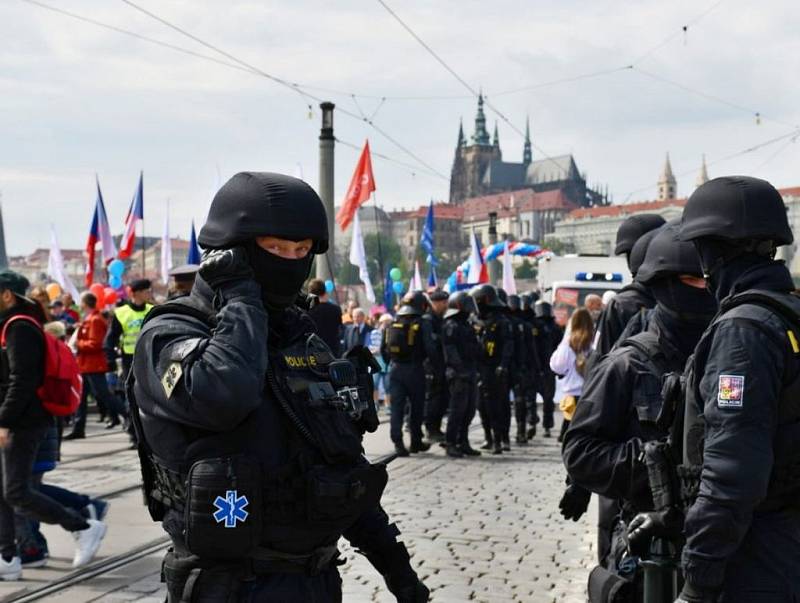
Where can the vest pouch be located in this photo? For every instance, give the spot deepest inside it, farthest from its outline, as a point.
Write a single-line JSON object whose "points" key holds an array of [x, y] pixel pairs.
{"points": [[336, 433], [223, 512], [401, 339], [338, 496]]}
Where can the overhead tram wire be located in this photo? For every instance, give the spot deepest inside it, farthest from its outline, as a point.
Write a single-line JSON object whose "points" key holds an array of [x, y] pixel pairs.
{"points": [[414, 168], [297, 88]]}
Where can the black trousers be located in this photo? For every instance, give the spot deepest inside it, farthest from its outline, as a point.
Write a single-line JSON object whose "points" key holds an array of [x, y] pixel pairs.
{"points": [[107, 401], [20, 493], [436, 394], [548, 392], [463, 400], [406, 386], [493, 404]]}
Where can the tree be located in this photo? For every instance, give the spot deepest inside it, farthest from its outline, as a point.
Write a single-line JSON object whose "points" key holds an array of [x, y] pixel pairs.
{"points": [[390, 252], [525, 270]]}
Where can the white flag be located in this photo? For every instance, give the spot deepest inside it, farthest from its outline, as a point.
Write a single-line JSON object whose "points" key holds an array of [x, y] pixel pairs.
{"points": [[55, 267], [508, 271], [166, 250], [358, 258], [416, 282]]}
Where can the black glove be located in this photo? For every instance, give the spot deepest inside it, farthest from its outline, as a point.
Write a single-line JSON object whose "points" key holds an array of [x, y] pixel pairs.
{"points": [[656, 524], [220, 266], [694, 594], [574, 502], [412, 593]]}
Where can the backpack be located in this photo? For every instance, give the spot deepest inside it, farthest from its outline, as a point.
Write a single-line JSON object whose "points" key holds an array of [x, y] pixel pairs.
{"points": [[62, 387]]}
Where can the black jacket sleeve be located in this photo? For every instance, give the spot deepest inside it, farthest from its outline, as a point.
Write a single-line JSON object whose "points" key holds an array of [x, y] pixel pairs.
{"points": [[601, 451], [111, 342], [222, 372], [25, 361]]}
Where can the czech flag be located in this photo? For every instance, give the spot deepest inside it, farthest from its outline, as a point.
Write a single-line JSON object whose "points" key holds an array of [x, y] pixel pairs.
{"points": [[99, 231], [135, 213], [478, 272]]}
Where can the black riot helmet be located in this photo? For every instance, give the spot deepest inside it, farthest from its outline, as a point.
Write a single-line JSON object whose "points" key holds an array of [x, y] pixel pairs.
{"points": [[633, 228], [414, 303], [257, 204], [514, 303], [502, 296], [736, 208], [460, 302], [543, 309], [526, 302], [639, 251], [667, 255], [486, 297]]}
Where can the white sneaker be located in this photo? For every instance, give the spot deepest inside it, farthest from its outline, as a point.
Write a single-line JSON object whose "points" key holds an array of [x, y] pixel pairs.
{"points": [[87, 542], [10, 570]]}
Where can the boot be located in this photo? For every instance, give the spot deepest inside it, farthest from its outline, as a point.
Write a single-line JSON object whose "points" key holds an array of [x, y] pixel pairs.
{"points": [[498, 448], [506, 445], [401, 449], [454, 451], [531, 432], [435, 435], [546, 432], [488, 444], [468, 450], [75, 435], [419, 446], [522, 439]]}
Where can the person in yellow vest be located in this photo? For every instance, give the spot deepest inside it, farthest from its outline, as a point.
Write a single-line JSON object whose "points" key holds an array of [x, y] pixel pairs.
{"points": [[126, 324]]}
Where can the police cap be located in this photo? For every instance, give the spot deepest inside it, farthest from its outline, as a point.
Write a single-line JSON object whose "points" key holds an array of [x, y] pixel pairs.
{"points": [[438, 295], [633, 228], [736, 208], [140, 284], [256, 204], [184, 273]]}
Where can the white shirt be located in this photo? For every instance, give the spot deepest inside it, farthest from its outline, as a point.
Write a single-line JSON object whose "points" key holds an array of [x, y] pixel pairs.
{"points": [[562, 362]]}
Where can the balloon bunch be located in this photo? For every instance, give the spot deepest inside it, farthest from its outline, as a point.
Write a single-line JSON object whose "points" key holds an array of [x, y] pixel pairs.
{"points": [[397, 285], [115, 271], [53, 291], [106, 296], [329, 286]]}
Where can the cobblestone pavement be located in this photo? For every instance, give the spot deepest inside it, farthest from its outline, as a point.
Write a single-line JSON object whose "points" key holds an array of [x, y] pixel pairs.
{"points": [[485, 529]]}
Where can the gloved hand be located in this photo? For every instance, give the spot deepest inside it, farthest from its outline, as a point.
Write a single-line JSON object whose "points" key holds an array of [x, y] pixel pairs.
{"points": [[655, 524], [694, 594], [412, 593], [220, 266], [574, 502]]}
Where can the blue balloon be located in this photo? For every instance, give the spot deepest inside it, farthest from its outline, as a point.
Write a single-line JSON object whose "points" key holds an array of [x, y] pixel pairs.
{"points": [[398, 287], [329, 286], [115, 281], [116, 268]]}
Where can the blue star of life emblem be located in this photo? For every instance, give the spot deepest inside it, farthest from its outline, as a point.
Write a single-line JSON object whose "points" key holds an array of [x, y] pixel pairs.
{"points": [[231, 508]]}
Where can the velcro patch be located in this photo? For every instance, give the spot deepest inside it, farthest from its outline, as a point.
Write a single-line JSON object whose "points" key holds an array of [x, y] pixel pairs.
{"points": [[171, 377], [731, 391]]}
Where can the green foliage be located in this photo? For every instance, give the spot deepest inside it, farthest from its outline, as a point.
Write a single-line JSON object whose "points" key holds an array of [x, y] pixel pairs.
{"points": [[525, 270], [558, 246], [347, 274]]}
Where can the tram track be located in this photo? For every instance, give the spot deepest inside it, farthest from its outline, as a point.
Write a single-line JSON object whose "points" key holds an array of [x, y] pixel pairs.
{"points": [[116, 562]]}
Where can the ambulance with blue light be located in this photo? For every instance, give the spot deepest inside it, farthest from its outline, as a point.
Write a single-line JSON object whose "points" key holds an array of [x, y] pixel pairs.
{"points": [[565, 281]]}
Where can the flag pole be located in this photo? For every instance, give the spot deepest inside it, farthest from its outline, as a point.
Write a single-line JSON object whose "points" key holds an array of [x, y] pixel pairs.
{"points": [[378, 234]]}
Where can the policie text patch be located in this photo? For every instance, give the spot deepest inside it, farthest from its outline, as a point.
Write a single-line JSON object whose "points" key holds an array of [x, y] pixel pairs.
{"points": [[731, 391]]}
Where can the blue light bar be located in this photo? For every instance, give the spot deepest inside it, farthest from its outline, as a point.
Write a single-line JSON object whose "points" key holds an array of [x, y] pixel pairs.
{"points": [[608, 277]]}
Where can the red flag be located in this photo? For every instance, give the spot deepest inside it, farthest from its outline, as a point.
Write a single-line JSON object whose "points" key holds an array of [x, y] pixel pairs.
{"points": [[361, 185]]}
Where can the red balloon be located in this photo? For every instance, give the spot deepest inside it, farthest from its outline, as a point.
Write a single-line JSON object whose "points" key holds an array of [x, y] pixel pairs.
{"points": [[99, 292], [110, 296]]}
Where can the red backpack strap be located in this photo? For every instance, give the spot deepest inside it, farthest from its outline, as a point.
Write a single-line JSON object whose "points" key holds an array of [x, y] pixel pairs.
{"points": [[12, 320]]}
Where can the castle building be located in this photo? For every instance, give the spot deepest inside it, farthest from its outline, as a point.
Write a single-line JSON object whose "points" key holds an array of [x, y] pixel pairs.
{"points": [[479, 169]]}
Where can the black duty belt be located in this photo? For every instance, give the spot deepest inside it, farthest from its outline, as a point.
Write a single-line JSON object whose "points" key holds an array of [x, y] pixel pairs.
{"points": [[269, 561]]}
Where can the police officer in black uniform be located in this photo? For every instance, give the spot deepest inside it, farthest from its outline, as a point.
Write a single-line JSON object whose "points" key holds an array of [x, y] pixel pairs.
{"points": [[461, 353], [407, 343], [436, 383], [631, 298], [496, 337], [521, 372], [547, 336], [535, 368], [250, 430], [742, 417], [622, 398]]}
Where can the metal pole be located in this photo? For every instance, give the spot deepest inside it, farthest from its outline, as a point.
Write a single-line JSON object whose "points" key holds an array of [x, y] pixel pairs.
{"points": [[326, 145], [492, 264]]}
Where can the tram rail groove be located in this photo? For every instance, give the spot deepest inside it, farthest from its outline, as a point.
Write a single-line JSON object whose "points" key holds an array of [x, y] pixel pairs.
{"points": [[110, 564]]}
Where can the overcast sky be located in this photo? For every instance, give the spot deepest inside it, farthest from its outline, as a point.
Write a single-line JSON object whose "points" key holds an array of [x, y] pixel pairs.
{"points": [[76, 99]]}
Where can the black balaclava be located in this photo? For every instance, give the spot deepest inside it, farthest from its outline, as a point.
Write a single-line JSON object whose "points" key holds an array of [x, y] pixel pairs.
{"points": [[685, 311], [280, 279], [724, 263]]}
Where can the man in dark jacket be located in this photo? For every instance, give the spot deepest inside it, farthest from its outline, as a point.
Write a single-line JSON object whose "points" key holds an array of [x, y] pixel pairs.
{"points": [[24, 422], [631, 298], [358, 332], [250, 430], [327, 316]]}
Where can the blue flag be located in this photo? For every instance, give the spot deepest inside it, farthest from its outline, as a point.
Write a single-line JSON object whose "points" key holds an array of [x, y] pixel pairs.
{"points": [[388, 291], [194, 250], [427, 242], [432, 280]]}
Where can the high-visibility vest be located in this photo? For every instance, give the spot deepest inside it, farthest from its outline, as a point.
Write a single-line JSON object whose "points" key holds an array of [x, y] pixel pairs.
{"points": [[131, 321]]}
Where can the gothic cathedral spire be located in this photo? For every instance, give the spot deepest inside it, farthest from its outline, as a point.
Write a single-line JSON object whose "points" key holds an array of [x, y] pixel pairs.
{"points": [[527, 156], [496, 138], [702, 177], [667, 185], [461, 141], [481, 136]]}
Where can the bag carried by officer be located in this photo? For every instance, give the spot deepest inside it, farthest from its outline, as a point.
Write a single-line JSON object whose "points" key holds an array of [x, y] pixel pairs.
{"points": [[402, 337]]}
